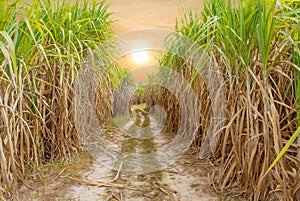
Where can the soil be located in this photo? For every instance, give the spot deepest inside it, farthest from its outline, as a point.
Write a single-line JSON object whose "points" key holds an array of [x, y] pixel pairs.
{"points": [[85, 178]]}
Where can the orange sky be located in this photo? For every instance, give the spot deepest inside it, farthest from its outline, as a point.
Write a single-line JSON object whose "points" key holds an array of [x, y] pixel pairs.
{"points": [[133, 15], [138, 14]]}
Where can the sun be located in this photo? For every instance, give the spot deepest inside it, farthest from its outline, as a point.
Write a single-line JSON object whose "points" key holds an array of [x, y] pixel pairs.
{"points": [[140, 57]]}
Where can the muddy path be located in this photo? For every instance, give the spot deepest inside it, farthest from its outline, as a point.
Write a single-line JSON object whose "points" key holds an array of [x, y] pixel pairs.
{"points": [[84, 178]]}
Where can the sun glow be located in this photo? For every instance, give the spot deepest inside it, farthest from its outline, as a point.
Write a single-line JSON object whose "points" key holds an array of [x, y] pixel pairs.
{"points": [[140, 57]]}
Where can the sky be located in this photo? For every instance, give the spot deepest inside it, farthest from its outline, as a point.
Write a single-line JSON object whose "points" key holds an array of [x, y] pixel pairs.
{"points": [[132, 15], [138, 14]]}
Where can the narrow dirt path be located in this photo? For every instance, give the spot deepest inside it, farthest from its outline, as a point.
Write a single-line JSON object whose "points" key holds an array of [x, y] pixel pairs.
{"points": [[185, 180], [85, 179]]}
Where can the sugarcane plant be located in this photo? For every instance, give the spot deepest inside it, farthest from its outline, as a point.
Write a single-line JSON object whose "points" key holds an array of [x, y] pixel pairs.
{"points": [[43, 44]]}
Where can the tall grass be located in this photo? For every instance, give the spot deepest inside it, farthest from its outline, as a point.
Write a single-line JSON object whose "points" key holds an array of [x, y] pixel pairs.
{"points": [[42, 47], [296, 59], [255, 45]]}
